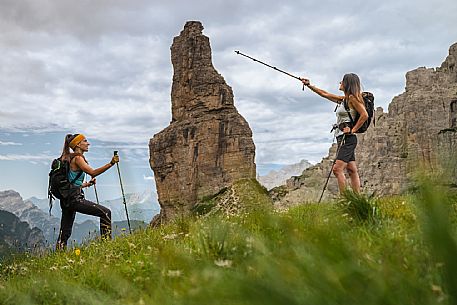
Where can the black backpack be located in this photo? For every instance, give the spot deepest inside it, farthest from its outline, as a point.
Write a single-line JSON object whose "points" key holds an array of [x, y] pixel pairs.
{"points": [[368, 99], [59, 185]]}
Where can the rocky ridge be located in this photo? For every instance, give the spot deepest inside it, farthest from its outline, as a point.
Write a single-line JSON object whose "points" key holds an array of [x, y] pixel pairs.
{"points": [[418, 128], [17, 236]]}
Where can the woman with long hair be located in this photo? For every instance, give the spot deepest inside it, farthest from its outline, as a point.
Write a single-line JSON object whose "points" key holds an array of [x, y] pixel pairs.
{"points": [[76, 201], [345, 131]]}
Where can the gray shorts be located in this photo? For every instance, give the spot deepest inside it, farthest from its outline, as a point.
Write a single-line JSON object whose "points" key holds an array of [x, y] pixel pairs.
{"points": [[346, 152]]}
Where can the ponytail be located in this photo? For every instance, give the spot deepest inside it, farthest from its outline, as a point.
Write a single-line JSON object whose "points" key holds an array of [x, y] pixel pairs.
{"points": [[67, 155], [66, 147]]}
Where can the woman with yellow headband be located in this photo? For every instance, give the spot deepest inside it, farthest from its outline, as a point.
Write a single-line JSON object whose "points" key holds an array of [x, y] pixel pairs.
{"points": [[76, 201]]}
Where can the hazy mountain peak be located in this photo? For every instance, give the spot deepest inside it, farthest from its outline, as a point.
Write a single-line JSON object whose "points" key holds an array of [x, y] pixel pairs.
{"points": [[279, 177]]}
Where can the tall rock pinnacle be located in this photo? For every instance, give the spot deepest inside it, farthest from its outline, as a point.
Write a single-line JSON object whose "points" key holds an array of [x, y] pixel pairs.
{"points": [[208, 144]]}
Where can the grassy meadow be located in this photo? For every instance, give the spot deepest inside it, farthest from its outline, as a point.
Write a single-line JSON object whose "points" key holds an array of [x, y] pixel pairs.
{"points": [[359, 250]]}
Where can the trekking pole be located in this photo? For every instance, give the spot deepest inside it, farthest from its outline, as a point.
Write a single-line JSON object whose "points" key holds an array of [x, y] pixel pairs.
{"points": [[274, 68], [333, 165], [123, 196], [96, 194]]}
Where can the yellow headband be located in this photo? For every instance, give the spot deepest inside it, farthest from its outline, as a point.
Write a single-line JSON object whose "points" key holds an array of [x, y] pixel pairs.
{"points": [[76, 141]]}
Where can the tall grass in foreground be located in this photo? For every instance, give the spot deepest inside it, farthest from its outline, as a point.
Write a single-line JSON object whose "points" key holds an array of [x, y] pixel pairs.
{"points": [[360, 207], [311, 254]]}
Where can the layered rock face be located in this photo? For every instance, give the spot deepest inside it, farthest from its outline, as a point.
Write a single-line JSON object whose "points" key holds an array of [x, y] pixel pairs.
{"points": [[16, 235], [208, 144], [408, 136], [404, 139], [15, 231]]}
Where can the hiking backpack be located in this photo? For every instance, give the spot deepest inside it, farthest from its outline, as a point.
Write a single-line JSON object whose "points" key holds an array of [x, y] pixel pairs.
{"points": [[59, 185], [368, 100]]}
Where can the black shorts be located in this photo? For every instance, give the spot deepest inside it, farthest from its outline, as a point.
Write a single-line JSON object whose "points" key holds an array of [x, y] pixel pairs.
{"points": [[346, 152]]}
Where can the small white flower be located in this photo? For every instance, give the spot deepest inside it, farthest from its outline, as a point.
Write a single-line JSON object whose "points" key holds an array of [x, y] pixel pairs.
{"points": [[170, 236], [223, 263], [174, 273]]}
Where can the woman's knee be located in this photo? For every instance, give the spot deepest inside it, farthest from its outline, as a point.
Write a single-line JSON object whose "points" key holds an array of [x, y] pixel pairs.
{"points": [[106, 212], [338, 170], [352, 170]]}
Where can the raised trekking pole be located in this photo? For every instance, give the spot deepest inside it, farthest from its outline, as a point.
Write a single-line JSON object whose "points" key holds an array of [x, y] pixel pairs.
{"points": [[123, 196], [333, 165], [270, 66]]}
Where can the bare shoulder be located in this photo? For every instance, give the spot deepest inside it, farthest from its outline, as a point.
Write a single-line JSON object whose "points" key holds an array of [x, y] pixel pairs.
{"points": [[354, 101], [78, 159]]}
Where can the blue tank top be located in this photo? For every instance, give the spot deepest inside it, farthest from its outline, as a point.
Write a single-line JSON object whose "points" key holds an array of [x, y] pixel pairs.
{"points": [[72, 175]]}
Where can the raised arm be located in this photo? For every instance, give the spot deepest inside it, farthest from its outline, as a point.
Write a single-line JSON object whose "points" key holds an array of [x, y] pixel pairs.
{"points": [[331, 97], [82, 164]]}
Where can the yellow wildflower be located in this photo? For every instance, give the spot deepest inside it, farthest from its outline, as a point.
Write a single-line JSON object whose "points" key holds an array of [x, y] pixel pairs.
{"points": [[77, 252]]}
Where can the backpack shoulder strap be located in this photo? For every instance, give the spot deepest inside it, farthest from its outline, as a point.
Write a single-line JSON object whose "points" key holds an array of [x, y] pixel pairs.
{"points": [[77, 177], [346, 107]]}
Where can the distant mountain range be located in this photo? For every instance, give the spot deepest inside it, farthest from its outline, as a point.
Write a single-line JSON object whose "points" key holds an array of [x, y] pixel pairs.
{"points": [[17, 236], [276, 178], [28, 212], [141, 206], [35, 212]]}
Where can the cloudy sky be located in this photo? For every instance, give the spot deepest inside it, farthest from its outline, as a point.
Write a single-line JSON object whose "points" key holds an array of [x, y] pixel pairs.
{"points": [[103, 68]]}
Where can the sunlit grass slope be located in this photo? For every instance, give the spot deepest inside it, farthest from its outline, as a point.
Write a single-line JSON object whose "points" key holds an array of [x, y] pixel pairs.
{"points": [[403, 253]]}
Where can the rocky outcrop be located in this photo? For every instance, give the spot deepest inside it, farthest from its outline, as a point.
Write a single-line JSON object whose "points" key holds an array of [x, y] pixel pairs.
{"points": [[208, 144], [406, 137], [241, 198], [17, 236], [12, 201]]}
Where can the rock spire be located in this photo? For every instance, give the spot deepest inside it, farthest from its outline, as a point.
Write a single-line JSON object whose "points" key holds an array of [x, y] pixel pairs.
{"points": [[208, 144]]}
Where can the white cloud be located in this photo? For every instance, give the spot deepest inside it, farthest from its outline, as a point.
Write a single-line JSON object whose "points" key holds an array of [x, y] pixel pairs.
{"points": [[104, 69], [10, 143], [26, 157]]}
